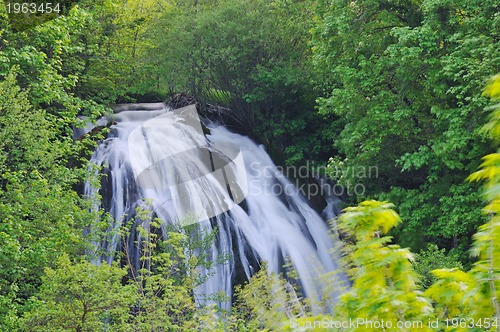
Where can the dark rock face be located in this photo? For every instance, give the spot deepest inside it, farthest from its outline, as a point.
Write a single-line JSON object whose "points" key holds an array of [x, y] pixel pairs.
{"points": [[212, 112], [137, 106], [181, 100]]}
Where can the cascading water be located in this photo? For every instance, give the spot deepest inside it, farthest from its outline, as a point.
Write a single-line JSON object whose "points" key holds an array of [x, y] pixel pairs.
{"points": [[221, 180]]}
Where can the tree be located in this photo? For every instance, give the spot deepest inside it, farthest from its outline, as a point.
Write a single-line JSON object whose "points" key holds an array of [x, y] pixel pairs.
{"points": [[431, 259], [157, 296], [41, 213], [402, 82], [165, 280], [252, 57], [138, 30], [484, 278], [81, 297], [267, 301], [385, 285], [385, 291]]}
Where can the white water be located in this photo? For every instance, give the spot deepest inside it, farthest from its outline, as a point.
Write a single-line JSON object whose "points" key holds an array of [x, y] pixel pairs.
{"points": [[145, 157]]}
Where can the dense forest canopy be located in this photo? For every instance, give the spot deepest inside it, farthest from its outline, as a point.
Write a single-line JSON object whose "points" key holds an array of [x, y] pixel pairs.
{"points": [[405, 86]]}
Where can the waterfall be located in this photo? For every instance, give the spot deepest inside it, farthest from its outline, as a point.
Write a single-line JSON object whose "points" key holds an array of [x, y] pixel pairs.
{"points": [[218, 180]]}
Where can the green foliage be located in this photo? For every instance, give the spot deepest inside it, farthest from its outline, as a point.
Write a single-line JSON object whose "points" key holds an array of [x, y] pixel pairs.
{"points": [[399, 89], [470, 296], [80, 297], [402, 82], [168, 275], [55, 62], [493, 91], [431, 259], [267, 302], [136, 29], [163, 302], [444, 212], [384, 282], [486, 241], [253, 57], [9, 319], [385, 286], [40, 213]]}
